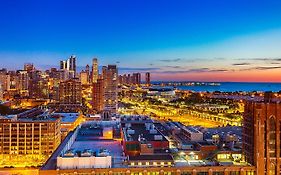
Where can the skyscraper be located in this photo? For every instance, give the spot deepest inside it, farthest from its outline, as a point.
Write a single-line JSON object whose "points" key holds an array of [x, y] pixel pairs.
{"points": [[69, 65], [84, 78], [1, 93], [98, 95], [110, 76], [88, 73], [95, 70], [23, 81], [147, 78], [261, 135], [5, 80], [29, 67]]}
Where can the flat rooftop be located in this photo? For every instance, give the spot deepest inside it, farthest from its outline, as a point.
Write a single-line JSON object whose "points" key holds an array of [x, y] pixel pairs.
{"points": [[164, 157], [67, 117], [140, 129], [114, 147], [237, 130]]}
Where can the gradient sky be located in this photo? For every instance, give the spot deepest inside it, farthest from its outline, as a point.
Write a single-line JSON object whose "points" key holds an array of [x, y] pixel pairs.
{"points": [[202, 40]]}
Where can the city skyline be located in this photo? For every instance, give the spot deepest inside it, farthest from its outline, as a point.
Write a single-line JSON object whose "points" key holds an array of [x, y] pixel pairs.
{"points": [[233, 41]]}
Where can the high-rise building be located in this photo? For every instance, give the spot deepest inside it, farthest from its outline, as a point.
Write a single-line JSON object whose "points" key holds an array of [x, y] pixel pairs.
{"points": [[95, 70], [23, 81], [84, 78], [98, 95], [1, 93], [136, 78], [70, 92], [261, 135], [147, 78], [29, 67], [88, 73], [110, 76], [28, 137], [5, 80], [69, 65]]}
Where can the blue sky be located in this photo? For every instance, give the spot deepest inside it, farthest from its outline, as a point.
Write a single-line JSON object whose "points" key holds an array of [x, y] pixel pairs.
{"points": [[163, 36]]}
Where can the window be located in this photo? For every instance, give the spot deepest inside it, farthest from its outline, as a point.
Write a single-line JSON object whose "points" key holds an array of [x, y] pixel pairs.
{"points": [[272, 137]]}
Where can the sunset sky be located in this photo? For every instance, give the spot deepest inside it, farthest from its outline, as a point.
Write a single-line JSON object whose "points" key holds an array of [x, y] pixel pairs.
{"points": [[197, 40]]}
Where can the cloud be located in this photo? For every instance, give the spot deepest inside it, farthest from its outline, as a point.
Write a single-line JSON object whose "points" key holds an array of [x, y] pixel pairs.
{"points": [[261, 68], [175, 67], [261, 59], [241, 64], [131, 69], [171, 60], [197, 70], [267, 68]]}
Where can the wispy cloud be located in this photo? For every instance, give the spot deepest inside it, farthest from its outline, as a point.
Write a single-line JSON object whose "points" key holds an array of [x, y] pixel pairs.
{"points": [[131, 69], [241, 64], [268, 68], [175, 67], [261, 68], [171, 60], [197, 70], [261, 59]]}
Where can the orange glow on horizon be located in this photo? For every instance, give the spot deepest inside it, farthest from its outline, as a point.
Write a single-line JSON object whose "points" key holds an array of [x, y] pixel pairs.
{"points": [[236, 76]]}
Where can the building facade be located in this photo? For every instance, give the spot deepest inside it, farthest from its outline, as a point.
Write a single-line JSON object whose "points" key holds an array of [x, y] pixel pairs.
{"points": [[98, 95], [26, 140], [261, 134], [70, 92], [147, 78], [110, 76], [69, 65], [95, 70]]}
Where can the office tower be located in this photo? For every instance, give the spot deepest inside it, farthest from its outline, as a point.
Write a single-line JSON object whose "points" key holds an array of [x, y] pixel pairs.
{"points": [[138, 79], [128, 81], [135, 79], [95, 70], [103, 74], [23, 81], [63, 65], [147, 78], [110, 76], [69, 66], [13, 78], [84, 78], [29, 67], [1, 93], [5, 80], [88, 73], [72, 63], [70, 92], [98, 95], [28, 137], [261, 135]]}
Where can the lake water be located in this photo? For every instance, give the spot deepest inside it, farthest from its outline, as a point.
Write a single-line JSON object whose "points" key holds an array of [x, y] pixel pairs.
{"points": [[235, 86]]}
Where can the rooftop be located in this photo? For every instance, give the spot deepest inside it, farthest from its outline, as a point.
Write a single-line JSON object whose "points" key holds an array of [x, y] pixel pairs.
{"points": [[165, 157], [135, 131], [67, 117]]}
